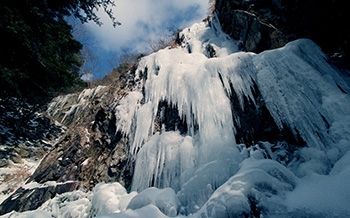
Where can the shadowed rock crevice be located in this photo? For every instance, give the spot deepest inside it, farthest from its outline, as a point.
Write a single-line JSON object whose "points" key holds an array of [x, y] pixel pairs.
{"points": [[168, 119]]}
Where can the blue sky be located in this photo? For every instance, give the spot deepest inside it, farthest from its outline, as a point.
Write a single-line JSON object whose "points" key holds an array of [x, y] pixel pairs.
{"points": [[142, 22]]}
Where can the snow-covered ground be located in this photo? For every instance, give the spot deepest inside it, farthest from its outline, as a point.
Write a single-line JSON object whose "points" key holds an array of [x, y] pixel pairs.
{"points": [[205, 173], [14, 176]]}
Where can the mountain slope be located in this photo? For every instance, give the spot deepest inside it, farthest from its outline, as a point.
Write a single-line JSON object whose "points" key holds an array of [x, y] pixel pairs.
{"points": [[206, 131]]}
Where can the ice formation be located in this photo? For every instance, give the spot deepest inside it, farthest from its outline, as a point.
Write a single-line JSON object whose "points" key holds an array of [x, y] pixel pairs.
{"points": [[203, 172], [300, 89]]}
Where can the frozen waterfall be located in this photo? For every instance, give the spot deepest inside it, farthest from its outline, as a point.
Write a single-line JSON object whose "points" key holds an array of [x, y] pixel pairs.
{"points": [[300, 89]]}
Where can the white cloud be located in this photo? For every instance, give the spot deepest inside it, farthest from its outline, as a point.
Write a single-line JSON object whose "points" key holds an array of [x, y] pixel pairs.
{"points": [[144, 20]]}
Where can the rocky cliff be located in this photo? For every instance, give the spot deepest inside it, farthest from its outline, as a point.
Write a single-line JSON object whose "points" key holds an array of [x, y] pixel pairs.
{"points": [[90, 151]]}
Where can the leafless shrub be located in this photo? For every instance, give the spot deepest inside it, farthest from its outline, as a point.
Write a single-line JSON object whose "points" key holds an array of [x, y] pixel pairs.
{"points": [[211, 8], [15, 179], [160, 43]]}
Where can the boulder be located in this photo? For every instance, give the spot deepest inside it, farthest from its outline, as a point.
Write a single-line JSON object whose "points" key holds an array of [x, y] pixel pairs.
{"points": [[3, 163], [15, 158]]}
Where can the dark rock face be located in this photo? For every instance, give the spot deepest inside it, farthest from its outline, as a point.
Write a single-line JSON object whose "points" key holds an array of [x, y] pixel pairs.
{"points": [[24, 132], [19, 121], [168, 119], [92, 150], [267, 24], [253, 33], [31, 199]]}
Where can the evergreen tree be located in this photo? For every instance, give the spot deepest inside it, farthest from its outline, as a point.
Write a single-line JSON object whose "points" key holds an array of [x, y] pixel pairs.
{"points": [[38, 54]]}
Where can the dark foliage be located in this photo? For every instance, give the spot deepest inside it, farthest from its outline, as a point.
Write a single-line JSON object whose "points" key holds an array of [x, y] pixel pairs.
{"points": [[38, 54]]}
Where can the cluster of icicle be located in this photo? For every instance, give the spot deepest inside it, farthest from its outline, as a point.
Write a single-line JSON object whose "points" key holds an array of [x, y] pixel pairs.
{"points": [[296, 82]]}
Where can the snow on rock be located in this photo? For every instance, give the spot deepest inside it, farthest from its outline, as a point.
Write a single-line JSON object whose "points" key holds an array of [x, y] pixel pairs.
{"points": [[341, 166], [66, 107], [321, 195], [147, 211], [25, 138], [105, 198], [109, 198], [207, 39], [70, 204], [258, 183], [201, 184], [164, 199], [30, 214]]}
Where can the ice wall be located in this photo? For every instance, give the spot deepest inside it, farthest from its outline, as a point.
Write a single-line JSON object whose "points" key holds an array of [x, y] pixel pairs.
{"points": [[298, 84], [299, 87]]}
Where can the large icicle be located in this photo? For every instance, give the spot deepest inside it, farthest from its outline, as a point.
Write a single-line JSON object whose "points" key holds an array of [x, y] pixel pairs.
{"points": [[162, 159], [185, 80]]}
